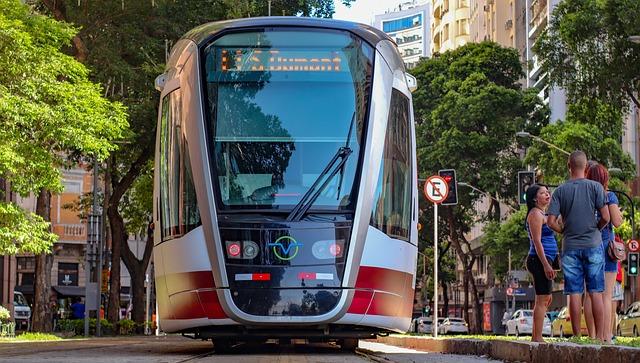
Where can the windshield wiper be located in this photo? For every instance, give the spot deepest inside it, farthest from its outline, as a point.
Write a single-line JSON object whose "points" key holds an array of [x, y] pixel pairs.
{"points": [[312, 194]]}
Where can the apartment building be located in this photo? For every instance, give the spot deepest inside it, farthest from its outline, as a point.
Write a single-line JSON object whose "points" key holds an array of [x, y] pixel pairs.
{"points": [[408, 25], [500, 21], [67, 273], [449, 25], [538, 13]]}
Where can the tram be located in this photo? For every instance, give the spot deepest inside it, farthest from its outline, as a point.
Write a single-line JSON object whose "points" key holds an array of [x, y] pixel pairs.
{"points": [[285, 186]]}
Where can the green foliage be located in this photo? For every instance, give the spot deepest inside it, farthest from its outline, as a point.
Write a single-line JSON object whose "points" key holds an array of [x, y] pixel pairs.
{"points": [[499, 238], [468, 108], [586, 49], [76, 326], [23, 232], [591, 126], [36, 337], [126, 327], [48, 107], [5, 315], [137, 203]]}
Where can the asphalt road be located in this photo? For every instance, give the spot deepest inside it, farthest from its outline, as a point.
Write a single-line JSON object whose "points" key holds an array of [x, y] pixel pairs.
{"points": [[176, 349]]}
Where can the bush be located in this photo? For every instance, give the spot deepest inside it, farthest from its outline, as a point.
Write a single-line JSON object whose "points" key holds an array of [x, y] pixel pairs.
{"points": [[76, 326], [5, 315], [126, 327]]}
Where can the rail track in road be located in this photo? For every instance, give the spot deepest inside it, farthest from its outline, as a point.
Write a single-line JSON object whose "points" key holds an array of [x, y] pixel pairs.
{"points": [[177, 349]]}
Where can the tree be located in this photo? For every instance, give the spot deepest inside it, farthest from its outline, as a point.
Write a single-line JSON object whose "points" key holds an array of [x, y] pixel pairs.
{"points": [[468, 108], [592, 126], [126, 42], [48, 110], [586, 49], [508, 236]]}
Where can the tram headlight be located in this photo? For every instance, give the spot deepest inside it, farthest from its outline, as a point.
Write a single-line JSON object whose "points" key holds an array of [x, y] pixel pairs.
{"points": [[250, 250], [328, 249], [234, 249]]}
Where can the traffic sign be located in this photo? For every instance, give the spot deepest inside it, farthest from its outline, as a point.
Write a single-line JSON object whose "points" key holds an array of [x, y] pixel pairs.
{"points": [[436, 189], [633, 245], [509, 291]]}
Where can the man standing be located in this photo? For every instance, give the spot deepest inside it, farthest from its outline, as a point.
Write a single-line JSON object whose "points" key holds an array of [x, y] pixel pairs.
{"points": [[577, 201]]}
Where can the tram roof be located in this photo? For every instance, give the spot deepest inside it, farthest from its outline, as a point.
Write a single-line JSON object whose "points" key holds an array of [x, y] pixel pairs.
{"points": [[202, 34]]}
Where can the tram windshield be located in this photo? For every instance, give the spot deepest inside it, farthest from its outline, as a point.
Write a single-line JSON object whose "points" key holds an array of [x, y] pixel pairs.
{"points": [[280, 104]]}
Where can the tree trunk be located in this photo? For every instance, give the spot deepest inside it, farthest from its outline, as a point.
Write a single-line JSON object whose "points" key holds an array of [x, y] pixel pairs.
{"points": [[445, 298], [465, 304], [137, 269], [42, 315], [118, 234]]}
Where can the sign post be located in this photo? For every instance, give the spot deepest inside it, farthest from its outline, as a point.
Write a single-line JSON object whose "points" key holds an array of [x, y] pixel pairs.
{"points": [[436, 190]]}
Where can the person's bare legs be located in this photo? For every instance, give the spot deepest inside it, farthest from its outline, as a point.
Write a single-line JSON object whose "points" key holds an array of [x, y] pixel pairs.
{"points": [[539, 312], [588, 316], [608, 306], [575, 307], [597, 307]]}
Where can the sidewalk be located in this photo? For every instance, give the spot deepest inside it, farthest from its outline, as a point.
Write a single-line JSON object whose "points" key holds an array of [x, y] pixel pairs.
{"points": [[518, 351]]}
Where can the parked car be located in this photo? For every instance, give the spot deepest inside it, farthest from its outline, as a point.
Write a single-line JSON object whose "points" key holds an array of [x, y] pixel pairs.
{"points": [[453, 325], [522, 323], [420, 325], [561, 326], [630, 321], [21, 311]]}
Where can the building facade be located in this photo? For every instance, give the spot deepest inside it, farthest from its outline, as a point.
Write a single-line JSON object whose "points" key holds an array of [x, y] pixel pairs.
{"points": [[500, 21], [449, 25], [538, 13], [408, 25]]}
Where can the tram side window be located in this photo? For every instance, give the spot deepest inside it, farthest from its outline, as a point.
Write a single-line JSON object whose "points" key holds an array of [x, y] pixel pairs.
{"points": [[179, 209], [391, 211]]}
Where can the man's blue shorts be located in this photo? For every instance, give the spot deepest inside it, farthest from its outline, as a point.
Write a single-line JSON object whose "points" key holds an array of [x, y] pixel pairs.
{"points": [[583, 266]]}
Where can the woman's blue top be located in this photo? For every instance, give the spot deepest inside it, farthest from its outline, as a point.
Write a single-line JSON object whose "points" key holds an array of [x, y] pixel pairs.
{"points": [[548, 239]]}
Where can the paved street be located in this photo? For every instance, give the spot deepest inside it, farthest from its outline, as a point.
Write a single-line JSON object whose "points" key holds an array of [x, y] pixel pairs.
{"points": [[175, 349]]}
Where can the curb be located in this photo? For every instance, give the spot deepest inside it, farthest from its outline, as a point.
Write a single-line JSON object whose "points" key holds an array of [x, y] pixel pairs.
{"points": [[519, 351]]}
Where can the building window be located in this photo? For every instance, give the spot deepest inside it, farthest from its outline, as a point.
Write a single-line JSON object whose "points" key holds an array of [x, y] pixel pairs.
{"points": [[179, 212], [67, 274], [392, 201], [445, 33], [402, 24], [463, 3], [462, 27]]}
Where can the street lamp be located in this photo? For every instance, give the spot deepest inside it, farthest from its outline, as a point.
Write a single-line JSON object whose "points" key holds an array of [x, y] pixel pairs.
{"points": [[527, 134], [634, 39]]}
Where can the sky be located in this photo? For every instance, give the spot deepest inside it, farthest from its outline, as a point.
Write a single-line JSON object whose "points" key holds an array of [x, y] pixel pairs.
{"points": [[363, 11]]}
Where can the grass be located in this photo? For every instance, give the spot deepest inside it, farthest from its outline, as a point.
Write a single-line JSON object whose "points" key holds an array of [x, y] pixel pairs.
{"points": [[30, 337], [620, 341]]}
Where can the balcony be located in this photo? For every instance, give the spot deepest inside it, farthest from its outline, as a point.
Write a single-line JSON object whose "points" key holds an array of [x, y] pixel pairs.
{"points": [[71, 232], [539, 16]]}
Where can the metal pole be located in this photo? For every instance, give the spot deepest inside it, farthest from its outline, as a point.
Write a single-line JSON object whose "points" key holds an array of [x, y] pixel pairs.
{"points": [[269, 2], [435, 270], [87, 274]]}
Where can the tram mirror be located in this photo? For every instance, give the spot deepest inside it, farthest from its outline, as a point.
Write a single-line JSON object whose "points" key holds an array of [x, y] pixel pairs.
{"points": [[160, 81], [412, 82]]}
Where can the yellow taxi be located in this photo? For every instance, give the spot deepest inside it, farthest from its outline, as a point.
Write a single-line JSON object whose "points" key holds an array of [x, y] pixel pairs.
{"points": [[561, 326], [629, 325]]}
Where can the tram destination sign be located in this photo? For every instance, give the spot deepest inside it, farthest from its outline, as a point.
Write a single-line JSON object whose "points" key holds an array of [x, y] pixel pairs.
{"points": [[436, 189]]}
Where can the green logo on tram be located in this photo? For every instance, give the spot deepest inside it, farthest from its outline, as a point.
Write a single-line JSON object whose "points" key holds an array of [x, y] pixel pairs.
{"points": [[285, 248]]}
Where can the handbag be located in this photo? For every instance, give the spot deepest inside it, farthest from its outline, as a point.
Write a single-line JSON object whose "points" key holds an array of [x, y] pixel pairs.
{"points": [[616, 249]]}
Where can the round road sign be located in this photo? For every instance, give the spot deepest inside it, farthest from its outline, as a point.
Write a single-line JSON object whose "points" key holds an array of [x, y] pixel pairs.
{"points": [[633, 245], [436, 189]]}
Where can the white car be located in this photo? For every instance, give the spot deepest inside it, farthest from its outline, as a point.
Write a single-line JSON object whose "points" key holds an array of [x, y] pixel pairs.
{"points": [[454, 325], [522, 323], [21, 311]]}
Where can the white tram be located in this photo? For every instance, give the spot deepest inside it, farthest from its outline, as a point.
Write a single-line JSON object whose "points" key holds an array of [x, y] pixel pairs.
{"points": [[285, 193]]}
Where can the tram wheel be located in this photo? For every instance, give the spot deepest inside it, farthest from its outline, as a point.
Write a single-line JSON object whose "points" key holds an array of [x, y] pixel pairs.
{"points": [[222, 345], [349, 344]]}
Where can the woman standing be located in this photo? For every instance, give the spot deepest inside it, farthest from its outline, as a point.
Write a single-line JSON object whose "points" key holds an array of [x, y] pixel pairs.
{"points": [[599, 173], [542, 252]]}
